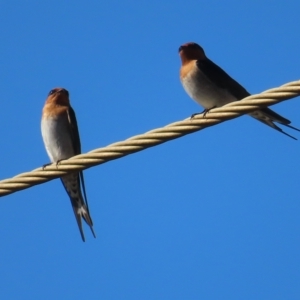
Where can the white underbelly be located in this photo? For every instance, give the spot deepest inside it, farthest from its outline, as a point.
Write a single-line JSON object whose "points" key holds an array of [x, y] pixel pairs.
{"points": [[205, 93], [57, 139]]}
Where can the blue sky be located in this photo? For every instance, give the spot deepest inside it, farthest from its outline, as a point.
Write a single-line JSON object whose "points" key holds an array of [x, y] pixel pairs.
{"points": [[213, 215]]}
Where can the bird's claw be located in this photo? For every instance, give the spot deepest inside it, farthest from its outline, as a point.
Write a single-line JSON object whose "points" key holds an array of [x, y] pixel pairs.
{"points": [[204, 112]]}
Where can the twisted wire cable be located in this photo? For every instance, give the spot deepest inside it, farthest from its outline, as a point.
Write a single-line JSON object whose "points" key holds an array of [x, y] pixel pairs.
{"points": [[150, 138]]}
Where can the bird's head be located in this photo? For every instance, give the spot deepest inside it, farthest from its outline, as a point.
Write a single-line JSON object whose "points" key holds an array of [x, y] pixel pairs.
{"points": [[59, 96], [191, 51]]}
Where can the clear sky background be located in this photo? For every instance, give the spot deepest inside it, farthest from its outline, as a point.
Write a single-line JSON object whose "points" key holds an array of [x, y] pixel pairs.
{"points": [[213, 215]]}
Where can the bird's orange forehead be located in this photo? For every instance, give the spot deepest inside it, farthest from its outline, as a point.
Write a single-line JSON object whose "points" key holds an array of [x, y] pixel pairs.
{"points": [[188, 44], [59, 90]]}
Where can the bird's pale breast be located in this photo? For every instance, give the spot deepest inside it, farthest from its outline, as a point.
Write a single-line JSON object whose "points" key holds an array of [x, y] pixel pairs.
{"points": [[57, 138], [203, 91]]}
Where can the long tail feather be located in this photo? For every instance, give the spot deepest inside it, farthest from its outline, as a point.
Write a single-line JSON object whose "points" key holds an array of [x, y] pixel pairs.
{"points": [[268, 117], [71, 182]]}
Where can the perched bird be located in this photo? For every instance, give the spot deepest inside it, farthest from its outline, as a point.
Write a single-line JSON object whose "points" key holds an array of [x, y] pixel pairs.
{"points": [[211, 87], [61, 139]]}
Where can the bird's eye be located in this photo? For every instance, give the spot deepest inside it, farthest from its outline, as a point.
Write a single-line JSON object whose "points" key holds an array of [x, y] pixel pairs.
{"points": [[51, 92]]}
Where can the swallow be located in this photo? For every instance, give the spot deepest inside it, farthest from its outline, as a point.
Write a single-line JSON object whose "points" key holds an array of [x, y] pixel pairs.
{"points": [[61, 138], [210, 86]]}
